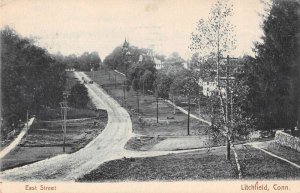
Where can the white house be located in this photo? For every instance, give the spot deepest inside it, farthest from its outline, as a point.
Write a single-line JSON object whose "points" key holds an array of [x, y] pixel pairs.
{"points": [[210, 87], [158, 63]]}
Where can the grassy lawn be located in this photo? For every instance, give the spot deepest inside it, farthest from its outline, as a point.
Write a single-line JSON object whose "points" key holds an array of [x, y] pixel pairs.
{"points": [[143, 143], [255, 164], [44, 140], [282, 151], [200, 165], [145, 121]]}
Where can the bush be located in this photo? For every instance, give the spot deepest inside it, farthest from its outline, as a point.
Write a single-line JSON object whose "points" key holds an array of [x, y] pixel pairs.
{"points": [[78, 96]]}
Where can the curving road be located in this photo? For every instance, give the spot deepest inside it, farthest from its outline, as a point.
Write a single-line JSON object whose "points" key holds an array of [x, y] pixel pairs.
{"points": [[109, 145]]}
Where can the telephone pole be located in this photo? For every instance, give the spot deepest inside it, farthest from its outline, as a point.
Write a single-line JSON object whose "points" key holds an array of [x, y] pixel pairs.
{"points": [[64, 109], [189, 110], [156, 108], [137, 100], [27, 120], [115, 80], [226, 110], [227, 121], [124, 89]]}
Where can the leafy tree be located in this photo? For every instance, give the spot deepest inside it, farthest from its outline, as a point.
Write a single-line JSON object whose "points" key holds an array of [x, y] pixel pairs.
{"points": [[30, 78], [174, 60], [186, 84], [162, 84], [274, 88], [144, 72], [147, 80], [86, 62], [78, 96]]}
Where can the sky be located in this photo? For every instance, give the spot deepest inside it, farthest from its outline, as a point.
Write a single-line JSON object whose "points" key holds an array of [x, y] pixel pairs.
{"points": [[76, 26]]}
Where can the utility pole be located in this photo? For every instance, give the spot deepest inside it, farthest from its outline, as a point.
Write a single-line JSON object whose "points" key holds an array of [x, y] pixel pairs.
{"points": [[124, 89], [115, 80], [144, 87], [227, 125], [199, 106], [156, 107], [64, 109], [226, 110], [27, 120], [93, 74], [173, 98], [189, 109], [231, 107], [218, 60], [137, 100]]}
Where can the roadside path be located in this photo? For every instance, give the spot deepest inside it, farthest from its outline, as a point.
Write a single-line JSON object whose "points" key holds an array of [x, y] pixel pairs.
{"points": [[186, 112], [16, 142]]}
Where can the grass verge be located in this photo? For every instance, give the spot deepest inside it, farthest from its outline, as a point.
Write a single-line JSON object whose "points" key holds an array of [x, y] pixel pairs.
{"points": [[45, 139], [255, 164], [199, 165]]}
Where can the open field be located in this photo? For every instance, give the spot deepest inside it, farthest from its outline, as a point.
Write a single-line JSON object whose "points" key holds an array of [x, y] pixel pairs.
{"points": [[199, 165]]}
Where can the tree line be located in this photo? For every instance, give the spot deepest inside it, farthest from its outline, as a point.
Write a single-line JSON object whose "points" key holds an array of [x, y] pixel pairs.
{"points": [[30, 79], [85, 62]]}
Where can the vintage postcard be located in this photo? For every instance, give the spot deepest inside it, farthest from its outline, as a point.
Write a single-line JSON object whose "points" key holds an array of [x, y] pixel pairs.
{"points": [[150, 96]]}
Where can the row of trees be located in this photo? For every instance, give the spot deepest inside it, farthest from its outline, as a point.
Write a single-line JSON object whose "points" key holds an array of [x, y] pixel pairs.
{"points": [[85, 62], [30, 78]]}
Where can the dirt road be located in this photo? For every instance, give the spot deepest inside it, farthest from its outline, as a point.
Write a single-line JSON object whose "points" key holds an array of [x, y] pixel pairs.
{"points": [[109, 145]]}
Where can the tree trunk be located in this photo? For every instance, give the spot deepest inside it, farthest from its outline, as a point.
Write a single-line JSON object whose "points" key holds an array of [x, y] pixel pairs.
{"points": [[174, 110], [137, 100], [188, 123]]}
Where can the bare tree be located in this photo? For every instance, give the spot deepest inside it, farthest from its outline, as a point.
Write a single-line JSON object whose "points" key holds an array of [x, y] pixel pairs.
{"points": [[215, 38], [216, 34]]}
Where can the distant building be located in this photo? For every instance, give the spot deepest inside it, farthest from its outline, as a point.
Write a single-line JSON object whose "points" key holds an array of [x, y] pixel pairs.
{"points": [[141, 58], [209, 88], [158, 63], [70, 69], [187, 65]]}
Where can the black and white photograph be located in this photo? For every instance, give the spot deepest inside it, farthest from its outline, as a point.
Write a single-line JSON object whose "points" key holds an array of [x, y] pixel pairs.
{"points": [[97, 92]]}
